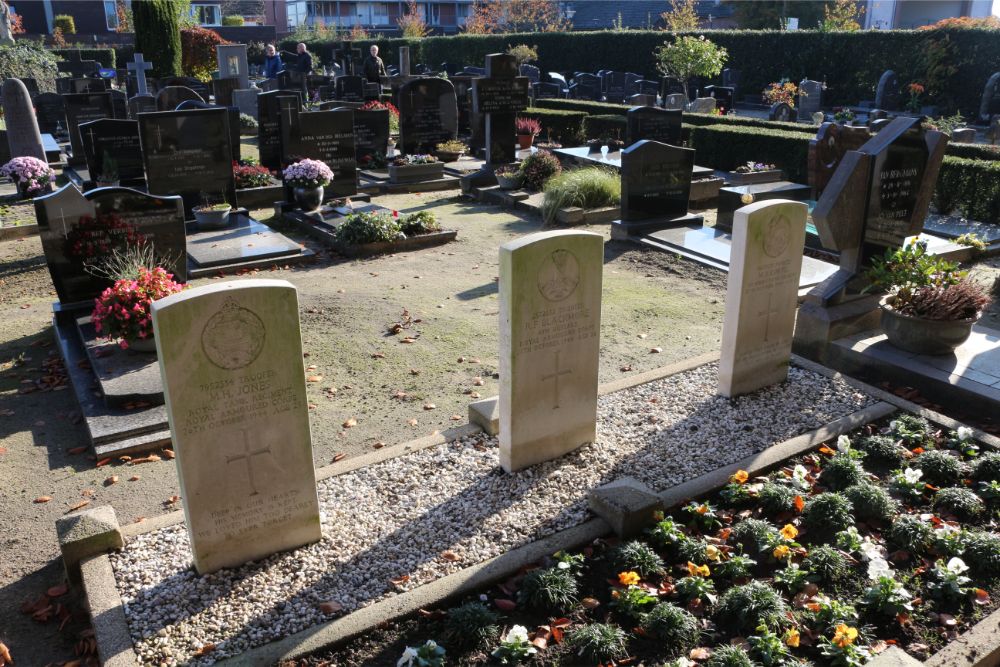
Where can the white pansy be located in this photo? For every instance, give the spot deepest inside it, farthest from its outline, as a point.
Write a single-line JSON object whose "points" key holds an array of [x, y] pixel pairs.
{"points": [[870, 550], [893, 424], [563, 565], [799, 480], [430, 644], [518, 633], [964, 433], [843, 443], [912, 475], [409, 655], [957, 566], [879, 567]]}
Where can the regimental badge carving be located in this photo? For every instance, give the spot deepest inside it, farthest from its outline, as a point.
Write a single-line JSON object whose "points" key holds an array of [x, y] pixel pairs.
{"points": [[777, 236], [558, 275], [234, 337]]}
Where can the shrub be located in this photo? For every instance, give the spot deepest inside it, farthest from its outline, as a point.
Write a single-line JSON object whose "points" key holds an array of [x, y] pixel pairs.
{"points": [[753, 535], [26, 59], [911, 533], [775, 498], [964, 504], [881, 450], [538, 168], [605, 126], [987, 468], [914, 430], [730, 655], [744, 608], [727, 147], [232, 20], [471, 624], [676, 628], [199, 58], [972, 186], [826, 564], [248, 124], [598, 642], [841, 472], [362, 228], [871, 502], [827, 514], [65, 23], [587, 188], [158, 36], [638, 557], [940, 468], [686, 56], [552, 589], [982, 553], [251, 176], [421, 222], [693, 549], [587, 106]]}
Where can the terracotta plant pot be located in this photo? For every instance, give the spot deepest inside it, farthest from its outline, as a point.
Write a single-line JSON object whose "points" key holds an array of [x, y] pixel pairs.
{"points": [[524, 141], [915, 334]]}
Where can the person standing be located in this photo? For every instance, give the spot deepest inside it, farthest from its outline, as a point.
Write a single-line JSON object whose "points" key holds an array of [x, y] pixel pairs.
{"points": [[304, 59], [272, 62], [373, 67]]}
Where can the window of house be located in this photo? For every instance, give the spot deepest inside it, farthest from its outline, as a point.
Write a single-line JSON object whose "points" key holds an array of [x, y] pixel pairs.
{"points": [[461, 13], [433, 13], [207, 14], [111, 15], [380, 14]]}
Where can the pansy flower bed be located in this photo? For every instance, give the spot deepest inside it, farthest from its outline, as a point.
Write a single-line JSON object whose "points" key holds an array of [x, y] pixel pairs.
{"points": [[887, 536]]}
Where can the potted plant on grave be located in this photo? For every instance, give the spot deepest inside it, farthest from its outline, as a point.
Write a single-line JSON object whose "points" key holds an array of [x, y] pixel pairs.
{"points": [[416, 167], [916, 90], [308, 178], [527, 130], [450, 151], [931, 306], [509, 176], [754, 172], [595, 145], [248, 175], [32, 176], [374, 160], [212, 214], [109, 176], [843, 116]]}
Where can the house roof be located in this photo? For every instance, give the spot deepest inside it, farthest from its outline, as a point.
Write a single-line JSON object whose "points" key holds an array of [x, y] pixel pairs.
{"points": [[599, 14]]}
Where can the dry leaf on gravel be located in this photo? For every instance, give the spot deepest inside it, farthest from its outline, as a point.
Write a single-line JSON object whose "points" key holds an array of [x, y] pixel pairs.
{"points": [[43, 499], [102, 463], [204, 650], [152, 458], [330, 607], [411, 422], [168, 454], [134, 478], [351, 422], [429, 406], [79, 505], [111, 480], [339, 456], [57, 591], [655, 350], [450, 556], [314, 378]]}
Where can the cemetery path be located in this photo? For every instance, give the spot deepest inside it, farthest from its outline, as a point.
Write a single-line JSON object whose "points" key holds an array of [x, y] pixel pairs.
{"points": [[362, 373]]}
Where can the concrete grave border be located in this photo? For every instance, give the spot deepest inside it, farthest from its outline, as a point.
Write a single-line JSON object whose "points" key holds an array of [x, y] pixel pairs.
{"points": [[978, 647]]}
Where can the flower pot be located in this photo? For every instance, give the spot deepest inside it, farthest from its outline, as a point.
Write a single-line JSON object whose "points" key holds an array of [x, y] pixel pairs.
{"points": [[142, 345], [22, 190], [308, 199], [508, 182], [594, 146], [448, 156], [211, 218], [524, 141], [915, 334], [106, 184]]}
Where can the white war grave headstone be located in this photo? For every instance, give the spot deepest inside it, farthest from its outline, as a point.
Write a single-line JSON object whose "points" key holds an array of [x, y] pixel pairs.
{"points": [[550, 326], [768, 238], [231, 360]]}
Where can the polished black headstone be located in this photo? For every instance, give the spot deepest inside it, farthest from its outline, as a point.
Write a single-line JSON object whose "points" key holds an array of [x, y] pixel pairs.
{"points": [[223, 90], [67, 86], [169, 97], [656, 180], [141, 104], [50, 110], [115, 140], [428, 114], [499, 96], [349, 88], [327, 136], [654, 124], [83, 108], [272, 106], [371, 132]]}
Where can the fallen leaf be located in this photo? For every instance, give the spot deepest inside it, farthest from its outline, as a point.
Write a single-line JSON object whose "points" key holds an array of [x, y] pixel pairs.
{"points": [[700, 653], [408, 340], [139, 519], [134, 478], [981, 597], [103, 462], [378, 355], [477, 382], [429, 406], [799, 503], [411, 422], [338, 456], [456, 418], [168, 454], [590, 603], [399, 581], [503, 604], [57, 591], [350, 423], [43, 499], [111, 480], [378, 445], [88, 493], [330, 607], [450, 556], [171, 500], [414, 371], [204, 650], [152, 458], [314, 378], [3, 450], [655, 350], [82, 503], [76, 450]]}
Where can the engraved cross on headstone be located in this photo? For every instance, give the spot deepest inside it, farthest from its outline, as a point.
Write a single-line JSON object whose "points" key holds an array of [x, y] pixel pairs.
{"points": [[140, 66], [247, 456], [62, 219], [555, 385], [766, 314]]}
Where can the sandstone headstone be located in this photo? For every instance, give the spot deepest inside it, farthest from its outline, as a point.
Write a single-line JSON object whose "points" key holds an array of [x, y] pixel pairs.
{"points": [[231, 360], [768, 238], [23, 136], [550, 325]]}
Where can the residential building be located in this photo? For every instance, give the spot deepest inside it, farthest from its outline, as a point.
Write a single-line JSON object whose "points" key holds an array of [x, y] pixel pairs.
{"points": [[442, 16], [100, 17], [903, 14], [640, 14]]}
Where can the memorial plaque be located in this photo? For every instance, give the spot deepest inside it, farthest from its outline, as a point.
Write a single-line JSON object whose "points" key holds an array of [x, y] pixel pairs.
{"points": [[898, 173], [232, 60], [188, 153], [327, 136], [50, 110], [499, 95], [272, 106], [656, 180], [655, 124], [231, 360], [112, 148], [428, 114], [550, 326], [762, 295], [83, 108], [78, 230], [371, 132]]}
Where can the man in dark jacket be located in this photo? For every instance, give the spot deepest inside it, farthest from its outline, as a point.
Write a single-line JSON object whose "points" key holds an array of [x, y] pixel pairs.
{"points": [[304, 59], [373, 66]]}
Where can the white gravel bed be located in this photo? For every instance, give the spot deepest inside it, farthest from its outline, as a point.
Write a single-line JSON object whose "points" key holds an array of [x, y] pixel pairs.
{"points": [[435, 511]]}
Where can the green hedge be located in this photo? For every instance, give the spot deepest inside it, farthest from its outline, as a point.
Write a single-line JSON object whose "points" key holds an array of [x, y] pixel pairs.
{"points": [[746, 121], [608, 126], [104, 56], [727, 147], [974, 151], [763, 56], [565, 127], [594, 108], [971, 186]]}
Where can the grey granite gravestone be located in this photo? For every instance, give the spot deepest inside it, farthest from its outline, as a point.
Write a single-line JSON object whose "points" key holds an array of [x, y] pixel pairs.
{"points": [[230, 358], [656, 186], [428, 114], [810, 98], [23, 135], [887, 92], [112, 148], [649, 122], [83, 108], [404, 61], [246, 101], [675, 102], [499, 96], [232, 60], [223, 89]]}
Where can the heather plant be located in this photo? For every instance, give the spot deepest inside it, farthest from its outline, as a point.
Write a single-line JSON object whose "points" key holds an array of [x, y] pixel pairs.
{"points": [[471, 624], [538, 168], [528, 126]]}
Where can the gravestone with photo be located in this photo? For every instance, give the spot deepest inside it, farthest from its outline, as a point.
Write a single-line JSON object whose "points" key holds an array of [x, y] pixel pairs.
{"points": [[113, 151], [238, 414], [762, 295], [782, 112], [232, 61], [650, 122], [550, 325], [428, 114], [327, 136], [675, 102], [83, 108], [499, 96], [656, 187]]}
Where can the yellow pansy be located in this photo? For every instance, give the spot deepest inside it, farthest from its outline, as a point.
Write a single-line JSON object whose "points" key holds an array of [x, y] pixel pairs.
{"points": [[628, 578], [789, 532], [781, 551], [698, 570], [712, 552], [844, 635], [792, 638], [740, 477]]}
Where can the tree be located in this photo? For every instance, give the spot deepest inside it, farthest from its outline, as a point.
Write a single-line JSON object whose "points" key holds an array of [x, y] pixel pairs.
{"points": [[497, 16], [771, 14], [124, 13], [688, 57], [157, 35], [683, 15], [412, 23], [198, 49], [842, 15]]}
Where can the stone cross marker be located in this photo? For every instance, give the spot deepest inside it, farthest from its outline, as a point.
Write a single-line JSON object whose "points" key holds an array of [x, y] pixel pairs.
{"points": [[231, 360], [23, 135], [550, 326], [140, 67], [75, 65], [762, 296], [346, 55], [500, 95]]}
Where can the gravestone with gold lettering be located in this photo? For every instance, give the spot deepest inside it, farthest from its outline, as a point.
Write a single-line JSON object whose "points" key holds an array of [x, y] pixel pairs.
{"points": [[231, 361], [550, 325]]}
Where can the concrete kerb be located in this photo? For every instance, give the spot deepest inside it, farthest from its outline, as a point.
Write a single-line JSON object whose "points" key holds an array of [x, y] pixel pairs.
{"points": [[111, 629]]}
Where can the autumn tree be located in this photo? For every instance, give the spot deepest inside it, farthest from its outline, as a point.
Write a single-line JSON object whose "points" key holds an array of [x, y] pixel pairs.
{"points": [[412, 23], [842, 15], [683, 15], [498, 16], [688, 57]]}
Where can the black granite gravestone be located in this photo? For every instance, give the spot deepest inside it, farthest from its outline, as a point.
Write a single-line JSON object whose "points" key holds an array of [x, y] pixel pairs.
{"points": [[69, 86], [349, 88], [371, 132], [83, 108], [76, 66], [500, 95], [544, 91], [113, 150], [585, 87], [463, 97], [141, 104], [271, 107], [348, 56], [428, 114], [169, 97], [654, 124], [615, 84], [50, 110], [84, 230], [723, 97], [989, 104], [223, 90], [119, 104], [887, 93], [189, 153], [656, 180], [197, 85], [327, 136]]}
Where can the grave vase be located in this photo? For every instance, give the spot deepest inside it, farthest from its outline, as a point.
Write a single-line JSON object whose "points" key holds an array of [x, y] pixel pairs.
{"points": [[142, 345], [308, 199], [22, 190], [921, 336]]}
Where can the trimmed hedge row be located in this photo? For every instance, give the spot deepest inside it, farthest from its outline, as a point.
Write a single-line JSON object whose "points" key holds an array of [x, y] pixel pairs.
{"points": [[974, 151], [104, 56], [566, 127], [971, 186], [608, 126], [727, 147], [595, 108]]}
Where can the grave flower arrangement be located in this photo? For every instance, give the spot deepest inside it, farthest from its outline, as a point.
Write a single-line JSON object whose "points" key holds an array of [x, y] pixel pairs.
{"points": [[249, 175], [375, 105], [538, 168], [31, 175], [308, 174], [843, 115], [416, 158], [376, 160], [916, 90], [781, 91], [123, 310], [752, 167]]}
